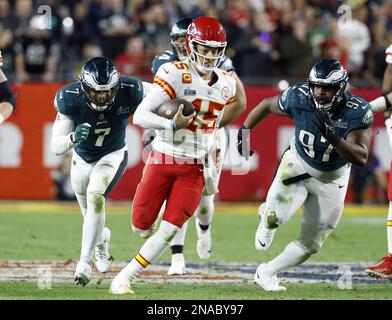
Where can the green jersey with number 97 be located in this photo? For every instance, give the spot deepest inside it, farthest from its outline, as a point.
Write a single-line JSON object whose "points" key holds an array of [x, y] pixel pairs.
{"points": [[352, 113], [107, 132]]}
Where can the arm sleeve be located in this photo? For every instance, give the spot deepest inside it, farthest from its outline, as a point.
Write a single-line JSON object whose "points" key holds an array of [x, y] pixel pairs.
{"points": [[61, 135], [164, 89], [145, 115]]}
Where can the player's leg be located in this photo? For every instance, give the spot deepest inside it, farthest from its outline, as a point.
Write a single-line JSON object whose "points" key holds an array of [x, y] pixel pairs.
{"points": [[177, 266], [321, 213], [150, 195], [204, 214], [151, 250], [282, 201], [80, 176], [103, 178], [384, 268], [205, 210], [183, 198]]}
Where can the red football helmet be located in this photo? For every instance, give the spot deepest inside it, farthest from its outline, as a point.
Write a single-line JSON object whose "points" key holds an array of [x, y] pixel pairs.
{"points": [[205, 43]]}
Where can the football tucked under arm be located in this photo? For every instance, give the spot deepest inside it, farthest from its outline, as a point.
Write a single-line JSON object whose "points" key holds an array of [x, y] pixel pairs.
{"points": [[146, 114], [62, 129]]}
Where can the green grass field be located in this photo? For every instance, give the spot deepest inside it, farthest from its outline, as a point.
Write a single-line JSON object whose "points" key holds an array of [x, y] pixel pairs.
{"points": [[47, 232]]}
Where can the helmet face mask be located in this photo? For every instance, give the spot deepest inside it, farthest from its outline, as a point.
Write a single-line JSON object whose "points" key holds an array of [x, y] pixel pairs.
{"points": [[206, 44], [206, 58], [100, 98], [327, 84], [100, 82]]}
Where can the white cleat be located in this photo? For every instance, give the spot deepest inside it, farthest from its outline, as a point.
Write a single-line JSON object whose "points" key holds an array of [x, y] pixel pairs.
{"points": [[264, 235], [83, 273], [102, 254], [204, 242], [177, 266], [269, 282], [120, 285]]}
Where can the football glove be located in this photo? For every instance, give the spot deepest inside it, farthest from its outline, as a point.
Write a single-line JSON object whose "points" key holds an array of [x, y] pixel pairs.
{"points": [[243, 142], [81, 133], [1, 60], [322, 120]]}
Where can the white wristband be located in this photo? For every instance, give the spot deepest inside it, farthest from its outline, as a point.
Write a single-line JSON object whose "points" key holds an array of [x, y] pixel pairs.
{"points": [[1, 118]]}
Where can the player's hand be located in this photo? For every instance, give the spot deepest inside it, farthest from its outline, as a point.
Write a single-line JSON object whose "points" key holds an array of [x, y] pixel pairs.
{"points": [[1, 60], [180, 120], [323, 121], [81, 133], [243, 142]]}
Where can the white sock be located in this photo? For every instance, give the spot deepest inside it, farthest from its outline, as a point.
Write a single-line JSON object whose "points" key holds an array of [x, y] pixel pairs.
{"points": [[293, 255], [205, 210], [179, 238], [93, 225], [389, 228], [151, 250]]}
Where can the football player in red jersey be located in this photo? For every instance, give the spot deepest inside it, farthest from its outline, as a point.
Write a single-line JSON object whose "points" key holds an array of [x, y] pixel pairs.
{"points": [[176, 171], [383, 104], [205, 211]]}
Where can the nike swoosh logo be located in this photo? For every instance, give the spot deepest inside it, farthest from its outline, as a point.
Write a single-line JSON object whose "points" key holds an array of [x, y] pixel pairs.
{"points": [[165, 70], [340, 187], [262, 244]]}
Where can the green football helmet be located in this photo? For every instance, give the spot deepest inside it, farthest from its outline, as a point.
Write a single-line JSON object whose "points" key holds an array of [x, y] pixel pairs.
{"points": [[331, 74], [100, 82], [179, 30]]}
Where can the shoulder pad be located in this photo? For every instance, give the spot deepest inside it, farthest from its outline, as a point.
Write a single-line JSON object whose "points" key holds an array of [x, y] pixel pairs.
{"points": [[132, 86], [67, 96]]}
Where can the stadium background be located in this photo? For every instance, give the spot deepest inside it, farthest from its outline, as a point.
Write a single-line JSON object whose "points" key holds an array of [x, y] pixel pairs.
{"points": [[268, 41]]}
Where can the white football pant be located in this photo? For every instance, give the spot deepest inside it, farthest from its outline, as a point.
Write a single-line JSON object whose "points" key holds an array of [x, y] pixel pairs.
{"points": [[322, 201], [92, 182]]}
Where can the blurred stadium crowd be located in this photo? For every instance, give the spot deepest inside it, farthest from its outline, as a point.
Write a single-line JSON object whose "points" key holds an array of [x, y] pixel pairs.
{"points": [[266, 38]]}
